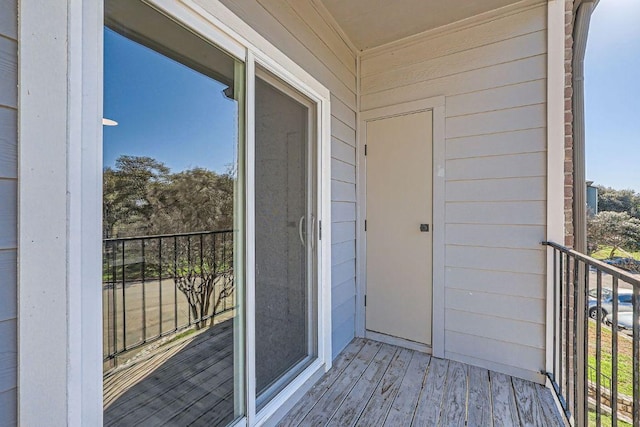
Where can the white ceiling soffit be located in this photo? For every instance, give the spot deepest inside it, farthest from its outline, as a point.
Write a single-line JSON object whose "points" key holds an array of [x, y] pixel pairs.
{"points": [[371, 23]]}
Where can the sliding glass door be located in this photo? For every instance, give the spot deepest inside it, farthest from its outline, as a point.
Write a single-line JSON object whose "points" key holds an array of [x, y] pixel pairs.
{"points": [[285, 240], [173, 224], [193, 334]]}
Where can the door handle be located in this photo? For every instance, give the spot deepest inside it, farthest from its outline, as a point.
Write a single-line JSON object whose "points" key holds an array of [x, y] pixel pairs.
{"points": [[424, 228], [300, 230]]}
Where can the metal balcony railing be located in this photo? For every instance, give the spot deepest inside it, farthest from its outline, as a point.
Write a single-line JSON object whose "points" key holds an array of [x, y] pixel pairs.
{"points": [[591, 363], [157, 286]]}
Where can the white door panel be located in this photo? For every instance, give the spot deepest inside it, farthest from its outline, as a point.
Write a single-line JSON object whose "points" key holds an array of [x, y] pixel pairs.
{"points": [[399, 200]]}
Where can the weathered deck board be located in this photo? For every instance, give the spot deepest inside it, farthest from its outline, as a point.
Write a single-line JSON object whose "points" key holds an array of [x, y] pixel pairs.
{"points": [[529, 408], [549, 408], [351, 408], [479, 409], [179, 390], [318, 390], [430, 402], [333, 398], [399, 387], [388, 387], [454, 412], [404, 405], [505, 412], [370, 384]]}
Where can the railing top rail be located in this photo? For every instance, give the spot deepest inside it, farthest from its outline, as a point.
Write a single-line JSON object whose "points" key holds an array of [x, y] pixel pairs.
{"points": [[613, 271], [158, 236]]}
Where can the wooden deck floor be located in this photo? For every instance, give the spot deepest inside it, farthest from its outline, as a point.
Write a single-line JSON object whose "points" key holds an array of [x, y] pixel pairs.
{"points": [[374, 384], [191, 384]]}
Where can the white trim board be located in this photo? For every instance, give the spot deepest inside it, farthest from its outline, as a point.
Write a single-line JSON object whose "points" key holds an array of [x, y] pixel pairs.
{"points": [[555, 154], [437, 105]]}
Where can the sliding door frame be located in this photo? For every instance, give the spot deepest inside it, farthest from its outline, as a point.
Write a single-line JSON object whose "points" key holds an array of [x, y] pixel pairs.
{"points": [[74, 381]]}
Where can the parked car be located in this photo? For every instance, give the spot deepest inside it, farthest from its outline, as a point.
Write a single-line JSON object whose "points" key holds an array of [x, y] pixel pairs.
{"points": [[624, 321], [606, 293], [628, 264], [625, 298]]}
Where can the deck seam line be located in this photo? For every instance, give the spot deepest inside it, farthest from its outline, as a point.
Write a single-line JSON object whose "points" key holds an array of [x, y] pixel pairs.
{"points": [[351, 388], [424, 380], [444, 393], [396, 351], [404, 374], [333, 382], [515, 401]]}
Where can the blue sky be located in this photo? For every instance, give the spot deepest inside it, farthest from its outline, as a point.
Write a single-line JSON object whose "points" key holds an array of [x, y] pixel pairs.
{"points": [[612, 95], [164, 110]]}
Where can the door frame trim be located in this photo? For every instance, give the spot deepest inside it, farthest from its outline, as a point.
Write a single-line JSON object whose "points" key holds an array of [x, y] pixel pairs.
{"points": [[437, 106]]}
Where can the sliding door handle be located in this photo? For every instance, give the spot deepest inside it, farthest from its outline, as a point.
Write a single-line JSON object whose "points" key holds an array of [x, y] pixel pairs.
{"points": [[300, 224]]}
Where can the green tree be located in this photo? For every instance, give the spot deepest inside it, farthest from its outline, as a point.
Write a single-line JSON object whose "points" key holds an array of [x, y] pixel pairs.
{"points": [[192, 200], [615, 229], [613, 200], [126, 192]]}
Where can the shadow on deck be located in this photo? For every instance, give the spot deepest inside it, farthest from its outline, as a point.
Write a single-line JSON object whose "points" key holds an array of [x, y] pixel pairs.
{"points": [[187, 384], [375, 384]]}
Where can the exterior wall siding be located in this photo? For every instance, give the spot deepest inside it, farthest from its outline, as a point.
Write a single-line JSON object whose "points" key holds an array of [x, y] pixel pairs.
{"points": [[8, 208], [300, 32], [493, 75]]}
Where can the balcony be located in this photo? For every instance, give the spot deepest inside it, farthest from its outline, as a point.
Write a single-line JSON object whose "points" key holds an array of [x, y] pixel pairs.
{"points": [[596, 347], [168, 351], [383, 385]]}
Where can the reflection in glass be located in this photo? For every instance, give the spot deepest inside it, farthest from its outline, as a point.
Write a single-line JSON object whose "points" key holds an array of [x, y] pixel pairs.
{"points": [[285, 235], [172, 224]]}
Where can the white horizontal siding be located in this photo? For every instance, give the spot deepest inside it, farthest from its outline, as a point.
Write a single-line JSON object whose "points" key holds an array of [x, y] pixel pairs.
{"points": [[496, 212], [493, 77], [8, 71], [515, 142], [495, 235], [8, 143], [300, 32], [8, 356], [8, 210], [8, 296], [496, 282]]}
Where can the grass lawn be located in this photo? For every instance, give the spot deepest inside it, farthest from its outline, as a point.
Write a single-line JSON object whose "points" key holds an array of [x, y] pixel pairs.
{"points": [[606, 420], [604, 252], [625, 357]]}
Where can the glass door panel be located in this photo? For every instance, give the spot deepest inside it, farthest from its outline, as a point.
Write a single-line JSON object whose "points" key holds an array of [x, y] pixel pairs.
{"points": [[173, 206], [285, 221]]}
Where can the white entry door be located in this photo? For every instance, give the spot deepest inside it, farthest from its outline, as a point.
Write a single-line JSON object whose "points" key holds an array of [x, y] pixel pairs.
{"points": [[398, 229]]}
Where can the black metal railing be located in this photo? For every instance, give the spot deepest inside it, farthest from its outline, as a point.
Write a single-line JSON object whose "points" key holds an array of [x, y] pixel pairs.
{"points": [[157, 286], [592, 364]]}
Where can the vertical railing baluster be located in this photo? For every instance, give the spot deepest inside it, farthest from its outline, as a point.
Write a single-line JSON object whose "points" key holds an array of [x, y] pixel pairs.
{"points": [[114, 278], [614, 355], [144, 293], [561, 305], [567, 326], [576, 347], [585, 350], [175, 283], [188, 273], [599, 349], [555, 314], [214, 260], [124, 302], [202, 313], [636, 355], [159, 286]]}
